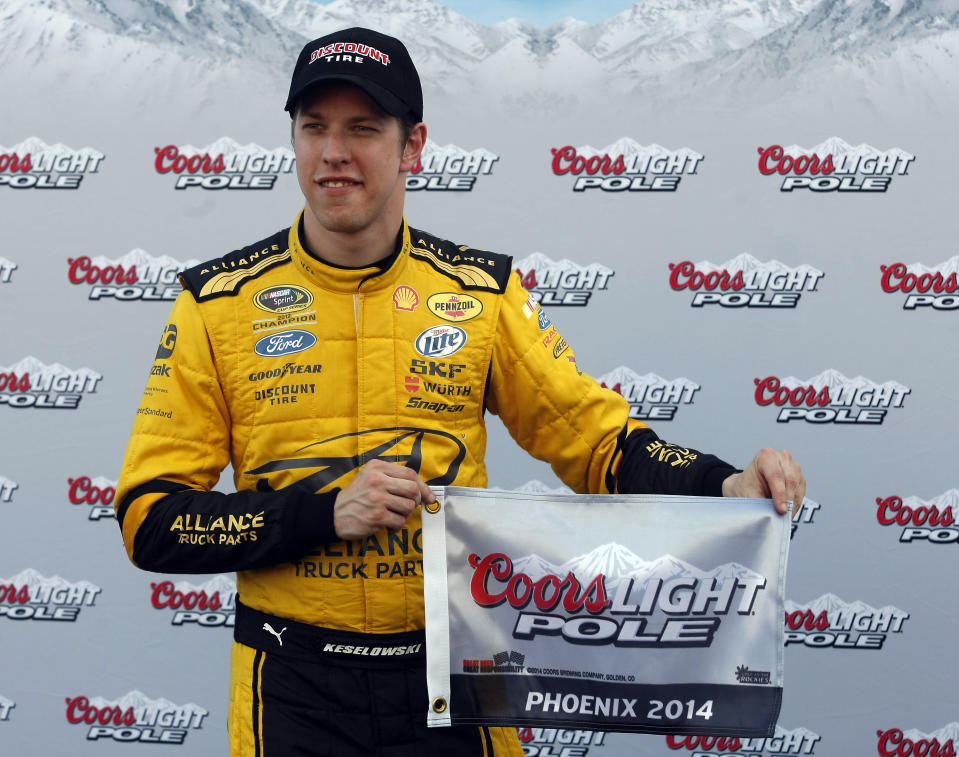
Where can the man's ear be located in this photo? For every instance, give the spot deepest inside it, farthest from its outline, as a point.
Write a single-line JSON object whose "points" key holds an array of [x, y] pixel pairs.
{"points": [[414, 146]]}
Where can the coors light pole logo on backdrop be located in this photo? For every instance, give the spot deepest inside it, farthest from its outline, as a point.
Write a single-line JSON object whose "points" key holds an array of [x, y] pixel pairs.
{"points": [[894, 742], [924, 287], [830, 397], [563, 282], [7, 488], [560, 742], [807, 513], [95, 493], [32, 384], [830, 622], [31, 596], [743, 282], [33, 164], [650, 397], [7, 267], [930, 522], [5, 706], [134, 717], [135, 276], [210, 604], [225, 164], [834, 166], [798, 741], [612, 596], [625, 166], [449, 168]]}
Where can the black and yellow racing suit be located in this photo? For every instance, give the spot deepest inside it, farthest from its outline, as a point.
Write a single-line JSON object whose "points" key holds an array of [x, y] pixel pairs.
{"points": [[298, 373]]}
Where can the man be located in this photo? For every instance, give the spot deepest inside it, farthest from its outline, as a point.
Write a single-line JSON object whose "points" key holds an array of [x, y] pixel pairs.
{"points": [[307, 361]]}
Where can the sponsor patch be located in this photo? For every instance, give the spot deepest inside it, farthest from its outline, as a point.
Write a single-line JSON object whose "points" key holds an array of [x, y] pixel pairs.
{"points": [[285, 343], [405, 298], [440, 341], [283, 299], [452, 306]]}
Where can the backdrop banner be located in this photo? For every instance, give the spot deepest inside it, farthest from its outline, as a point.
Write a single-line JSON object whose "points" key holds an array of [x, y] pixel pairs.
{"points": [[631, 613]]}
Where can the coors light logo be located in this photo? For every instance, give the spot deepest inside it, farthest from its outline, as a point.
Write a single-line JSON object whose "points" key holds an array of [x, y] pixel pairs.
{"points": [[830, 622], [30, 596], [135, 276], [7, 488], [924, 287], [806, 514], [798, 741], [743, 281], [225, 164], [560, 742], [5, 706], [210, 604], [625, 166], [830, 397], [612, 596], [449, 168], [7, 267], [563, 282], [650, 397], [894, 742], [931, 522], [134, 717], [834, 166], [32, 384], [33, 164], [96, 493]]}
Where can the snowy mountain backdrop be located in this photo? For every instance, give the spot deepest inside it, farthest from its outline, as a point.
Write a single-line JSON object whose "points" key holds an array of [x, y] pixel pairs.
{"points": [[671, 52]]}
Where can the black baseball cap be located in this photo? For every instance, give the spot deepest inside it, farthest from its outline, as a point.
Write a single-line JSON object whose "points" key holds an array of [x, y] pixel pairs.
{"points": [[378, 64]]}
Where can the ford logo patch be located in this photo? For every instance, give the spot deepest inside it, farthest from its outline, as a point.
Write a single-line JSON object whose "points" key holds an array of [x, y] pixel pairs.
{"points": [[284, 343]]}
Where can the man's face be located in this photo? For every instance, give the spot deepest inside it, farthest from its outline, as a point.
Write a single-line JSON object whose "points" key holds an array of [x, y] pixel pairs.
{"points": [[351, 160]]}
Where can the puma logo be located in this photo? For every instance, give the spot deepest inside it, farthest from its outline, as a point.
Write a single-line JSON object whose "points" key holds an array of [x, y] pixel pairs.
{"points": [[269, 629]]}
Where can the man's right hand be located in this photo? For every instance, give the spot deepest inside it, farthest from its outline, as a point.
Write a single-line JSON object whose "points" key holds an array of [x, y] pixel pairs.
{"points": [[381, 496]]}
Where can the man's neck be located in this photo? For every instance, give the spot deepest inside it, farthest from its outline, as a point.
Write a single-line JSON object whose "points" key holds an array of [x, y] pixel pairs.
{"points": [[350, 249]]}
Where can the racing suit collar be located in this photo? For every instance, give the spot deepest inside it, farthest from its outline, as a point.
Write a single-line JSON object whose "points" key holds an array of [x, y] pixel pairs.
{"points": [[340, 279]]}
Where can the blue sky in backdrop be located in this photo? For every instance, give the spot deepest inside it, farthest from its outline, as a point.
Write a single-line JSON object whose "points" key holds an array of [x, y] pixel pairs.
{"points": [[538, 12]]}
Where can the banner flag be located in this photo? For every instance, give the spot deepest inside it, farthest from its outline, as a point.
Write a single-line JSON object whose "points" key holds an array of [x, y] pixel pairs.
{"points": [[633, 613]]}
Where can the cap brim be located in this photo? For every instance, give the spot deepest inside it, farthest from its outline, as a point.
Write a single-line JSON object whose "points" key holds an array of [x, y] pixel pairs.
{"points": [[382, 97]]}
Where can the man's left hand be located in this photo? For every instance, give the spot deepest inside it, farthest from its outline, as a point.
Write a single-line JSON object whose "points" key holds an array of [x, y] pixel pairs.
{"points": [[771, 474]]}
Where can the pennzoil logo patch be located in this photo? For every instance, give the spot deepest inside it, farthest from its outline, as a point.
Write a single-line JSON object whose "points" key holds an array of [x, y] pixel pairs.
{"points": [[456, 307]]}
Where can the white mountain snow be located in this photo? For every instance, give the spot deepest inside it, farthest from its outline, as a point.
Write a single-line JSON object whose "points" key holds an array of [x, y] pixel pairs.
{"points": [[739, 52]]}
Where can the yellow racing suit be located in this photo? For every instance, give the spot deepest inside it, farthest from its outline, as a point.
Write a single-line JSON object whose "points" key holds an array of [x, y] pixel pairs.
{"points": [[298, 373]]}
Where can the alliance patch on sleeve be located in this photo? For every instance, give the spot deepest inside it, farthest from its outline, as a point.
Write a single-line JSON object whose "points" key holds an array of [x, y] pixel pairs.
{"points": [[473, 269], [224, 276]]}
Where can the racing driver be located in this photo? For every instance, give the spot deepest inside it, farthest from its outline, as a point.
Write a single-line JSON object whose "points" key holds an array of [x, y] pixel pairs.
{"points": [[343, 366]]}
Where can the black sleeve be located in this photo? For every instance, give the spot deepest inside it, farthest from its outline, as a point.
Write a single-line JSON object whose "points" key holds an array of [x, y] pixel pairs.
{"points": [[653, 466], [192, 531]]}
